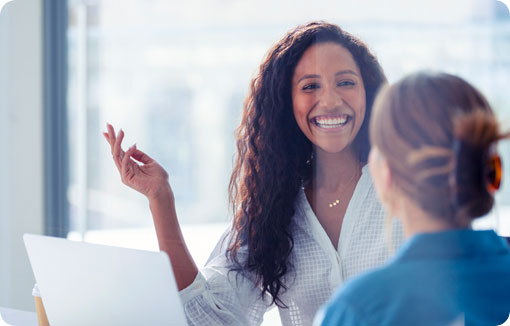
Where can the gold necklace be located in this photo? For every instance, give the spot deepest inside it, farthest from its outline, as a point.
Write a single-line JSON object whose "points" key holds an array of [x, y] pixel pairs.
{"points": [[337, 201]]}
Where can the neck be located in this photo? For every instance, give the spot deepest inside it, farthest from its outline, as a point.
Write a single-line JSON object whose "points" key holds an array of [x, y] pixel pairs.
{"points": [[415, 220], [333, 170]]}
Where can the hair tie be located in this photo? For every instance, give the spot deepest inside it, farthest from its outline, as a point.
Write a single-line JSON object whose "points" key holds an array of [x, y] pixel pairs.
{"points": [[494, 173], [475, 168]]}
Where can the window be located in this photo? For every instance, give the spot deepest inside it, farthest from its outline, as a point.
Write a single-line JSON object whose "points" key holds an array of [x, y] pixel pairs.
{"points": [[173, 75]]}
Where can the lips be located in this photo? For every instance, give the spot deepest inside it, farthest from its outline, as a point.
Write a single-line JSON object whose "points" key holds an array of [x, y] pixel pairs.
{"points": [[331, 121]]}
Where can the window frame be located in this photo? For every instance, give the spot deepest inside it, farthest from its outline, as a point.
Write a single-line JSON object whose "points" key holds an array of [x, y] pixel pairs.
{"points": [[56, 162]]}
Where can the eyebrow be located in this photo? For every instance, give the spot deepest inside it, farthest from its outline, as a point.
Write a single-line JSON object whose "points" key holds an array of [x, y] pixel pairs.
{"points": [[347, 71], [341, 72]]}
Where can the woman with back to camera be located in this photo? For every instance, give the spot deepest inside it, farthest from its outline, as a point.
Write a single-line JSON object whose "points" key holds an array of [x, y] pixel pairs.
{"points": [[305, 212], [436, 168]]}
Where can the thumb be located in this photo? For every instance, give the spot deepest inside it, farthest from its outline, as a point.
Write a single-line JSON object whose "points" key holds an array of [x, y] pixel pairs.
{"points": [[141, 157]]}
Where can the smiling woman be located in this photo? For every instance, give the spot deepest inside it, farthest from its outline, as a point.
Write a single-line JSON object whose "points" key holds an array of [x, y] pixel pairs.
{"points": [[329, 104], [328, 96], [305, 213]]}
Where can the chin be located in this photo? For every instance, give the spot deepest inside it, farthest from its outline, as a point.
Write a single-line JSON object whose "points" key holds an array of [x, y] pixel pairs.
{"points": [[332, 148]]}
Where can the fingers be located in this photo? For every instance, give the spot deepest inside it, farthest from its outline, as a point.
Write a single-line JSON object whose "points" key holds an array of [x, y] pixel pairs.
{"points": [[108, 139], [115, 144], [111, 139], [111, 135], [117, 150], [105, 134], [141, 157], [126, 168]]}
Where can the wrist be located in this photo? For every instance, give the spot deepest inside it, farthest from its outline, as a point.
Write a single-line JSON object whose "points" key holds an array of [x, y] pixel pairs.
{"points": [[162, 193]]}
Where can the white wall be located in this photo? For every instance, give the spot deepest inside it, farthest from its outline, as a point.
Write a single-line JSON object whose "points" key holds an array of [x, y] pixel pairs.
{"points": [[21, 146]]}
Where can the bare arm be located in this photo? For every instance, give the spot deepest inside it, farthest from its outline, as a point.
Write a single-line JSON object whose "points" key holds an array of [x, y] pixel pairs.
{"points": [[170, 238], [145, 175]]}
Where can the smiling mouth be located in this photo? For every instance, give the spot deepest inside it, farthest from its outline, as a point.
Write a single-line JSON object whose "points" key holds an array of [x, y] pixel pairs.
{"points": [[329, 122]]}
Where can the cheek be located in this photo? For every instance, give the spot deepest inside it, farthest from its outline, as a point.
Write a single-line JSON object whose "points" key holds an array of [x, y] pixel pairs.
{"points": [[300, 109], [362, 105], [357, 101], [362, 114]]}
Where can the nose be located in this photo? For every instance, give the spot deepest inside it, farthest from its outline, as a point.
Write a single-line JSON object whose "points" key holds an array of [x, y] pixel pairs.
{"points": [[330, 98]]}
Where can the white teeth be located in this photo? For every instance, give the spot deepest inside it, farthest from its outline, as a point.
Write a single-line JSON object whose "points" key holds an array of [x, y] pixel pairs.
{"points": [[331, 122]]}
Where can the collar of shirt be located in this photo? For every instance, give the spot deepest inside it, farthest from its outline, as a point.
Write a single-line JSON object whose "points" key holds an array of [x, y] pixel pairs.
{"points": [[452, 244], [309, 221]]}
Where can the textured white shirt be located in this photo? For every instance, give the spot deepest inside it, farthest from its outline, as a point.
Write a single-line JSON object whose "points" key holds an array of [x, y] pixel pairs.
{"points": [[220, 297]]}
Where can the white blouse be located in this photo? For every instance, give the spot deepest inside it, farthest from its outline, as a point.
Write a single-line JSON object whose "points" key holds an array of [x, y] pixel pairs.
{"points": [[220, 297]]}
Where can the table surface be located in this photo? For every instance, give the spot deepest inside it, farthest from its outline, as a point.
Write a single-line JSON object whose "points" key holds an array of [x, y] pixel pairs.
{"points": [[18, 317]]}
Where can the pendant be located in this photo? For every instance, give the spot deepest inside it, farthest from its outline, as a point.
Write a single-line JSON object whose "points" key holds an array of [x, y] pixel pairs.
{"points": [[334, 203]]}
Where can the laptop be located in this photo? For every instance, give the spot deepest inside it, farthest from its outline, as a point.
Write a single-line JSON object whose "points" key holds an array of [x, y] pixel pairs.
{"points": [[89, 284]]}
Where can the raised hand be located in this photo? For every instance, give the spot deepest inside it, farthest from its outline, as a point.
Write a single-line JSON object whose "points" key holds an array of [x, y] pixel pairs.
{"points": [[140, 172], [137, 170]]}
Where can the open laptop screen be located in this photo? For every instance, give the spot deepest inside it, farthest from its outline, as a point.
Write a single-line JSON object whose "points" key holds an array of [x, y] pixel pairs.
{"points": [[90, 284]]}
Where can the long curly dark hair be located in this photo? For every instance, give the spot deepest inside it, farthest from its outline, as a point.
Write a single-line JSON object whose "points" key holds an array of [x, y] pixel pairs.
{"points": [[273, 155]]}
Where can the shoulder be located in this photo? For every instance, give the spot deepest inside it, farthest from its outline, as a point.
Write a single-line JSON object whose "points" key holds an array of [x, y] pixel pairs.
{"points": [[371, 282], [355, 302], [302, 210], [360, 301], [340, 314]]}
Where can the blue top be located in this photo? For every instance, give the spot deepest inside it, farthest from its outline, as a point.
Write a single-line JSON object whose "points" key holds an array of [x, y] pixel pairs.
{"points": [[443, 278]]}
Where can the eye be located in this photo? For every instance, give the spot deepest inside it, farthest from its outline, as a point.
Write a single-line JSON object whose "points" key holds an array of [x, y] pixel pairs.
{"points": [[346, 83], [311, 86]]}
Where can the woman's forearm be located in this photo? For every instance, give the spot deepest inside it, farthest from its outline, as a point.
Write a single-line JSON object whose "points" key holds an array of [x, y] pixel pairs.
{"points": [[170, 237]]}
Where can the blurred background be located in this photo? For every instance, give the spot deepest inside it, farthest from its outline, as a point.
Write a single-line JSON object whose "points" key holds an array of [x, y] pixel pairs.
{"points": [[173, 75]]}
